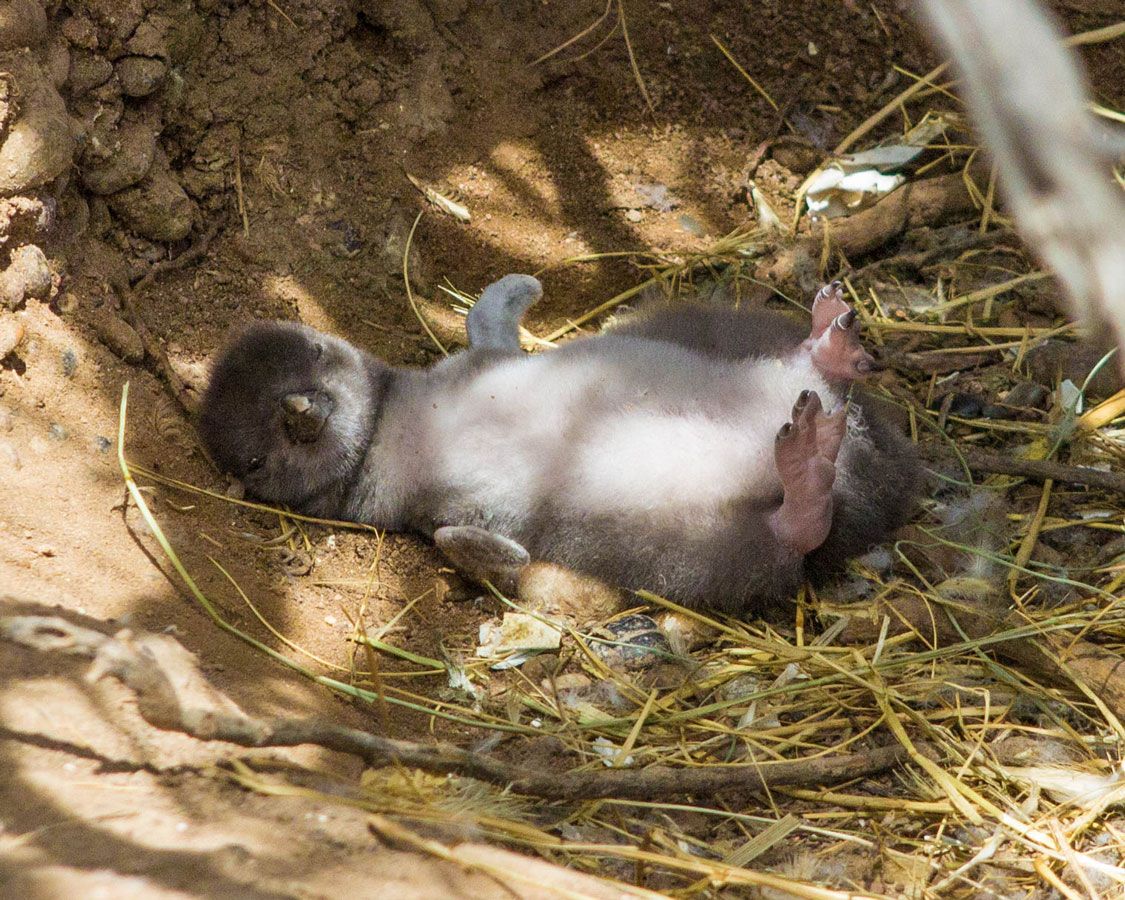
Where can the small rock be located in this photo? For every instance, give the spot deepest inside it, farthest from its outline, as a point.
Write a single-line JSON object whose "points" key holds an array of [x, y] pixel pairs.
{"points": [[27, 276], [633, 215], [68, 303], [962, 405], [23, 220], [87, 71], [1056, 360], [691, 225], [57, 433], [69, 362], [102, 443], [120, 337], [120, 158], [11, 333], [40, 144], [81, 32], [140, 75], [685, 634], [23, 23], [1027, 394], [797, 155], [156, 207], [147, 40], [630, 643]]}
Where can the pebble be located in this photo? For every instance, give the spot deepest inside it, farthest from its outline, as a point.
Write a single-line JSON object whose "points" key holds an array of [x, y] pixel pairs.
{"points": [[28, 276], [81, 32], [962, 405], [68, 303], [69, 362], [102, 443], [11, 333], [140, 75], [636, 643], [147, 40], [130, 149], [56, 432], [1059, 360], [156, 207], [1027, 394], [120, 337], [88, 71]]}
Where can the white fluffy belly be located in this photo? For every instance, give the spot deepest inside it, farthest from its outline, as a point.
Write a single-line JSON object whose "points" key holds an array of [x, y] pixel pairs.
{"points": [[619, 436]]}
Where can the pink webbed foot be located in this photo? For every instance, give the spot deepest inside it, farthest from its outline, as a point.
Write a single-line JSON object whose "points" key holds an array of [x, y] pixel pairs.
{"points": [[805, 453], [833, 342]]}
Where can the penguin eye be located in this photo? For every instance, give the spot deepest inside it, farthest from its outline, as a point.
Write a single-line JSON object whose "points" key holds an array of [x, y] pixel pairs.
{"points": [[256, 462]]}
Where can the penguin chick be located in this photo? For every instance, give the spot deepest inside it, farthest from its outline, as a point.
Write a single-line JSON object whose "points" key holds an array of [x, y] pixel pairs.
{"points": [[708, 455]]}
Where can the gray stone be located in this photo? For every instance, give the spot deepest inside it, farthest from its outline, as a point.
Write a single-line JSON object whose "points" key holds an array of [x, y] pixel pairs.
{"points": [[28, 276], [140, 75], [127, 154], [120, 337], [87, 71], [156, 207]]}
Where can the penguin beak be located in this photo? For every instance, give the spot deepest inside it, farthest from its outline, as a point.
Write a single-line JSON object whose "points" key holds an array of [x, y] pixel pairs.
{"points": [[305, 415]]}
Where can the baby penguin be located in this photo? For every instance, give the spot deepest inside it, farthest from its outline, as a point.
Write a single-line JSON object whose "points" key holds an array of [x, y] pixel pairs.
{"points": [[707, 454]]}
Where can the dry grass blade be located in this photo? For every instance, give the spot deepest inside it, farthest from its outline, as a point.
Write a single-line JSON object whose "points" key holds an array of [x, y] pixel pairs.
{"points": [[632, 57], [410, 294], [741, 71], [585, 31]]}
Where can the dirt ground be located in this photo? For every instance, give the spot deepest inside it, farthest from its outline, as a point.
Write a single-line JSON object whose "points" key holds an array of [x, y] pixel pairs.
{"points": [[286, 131]]}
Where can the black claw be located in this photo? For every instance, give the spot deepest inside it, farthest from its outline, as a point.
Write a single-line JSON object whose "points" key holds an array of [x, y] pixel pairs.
{"points": [[847, 319], [783, 431]]}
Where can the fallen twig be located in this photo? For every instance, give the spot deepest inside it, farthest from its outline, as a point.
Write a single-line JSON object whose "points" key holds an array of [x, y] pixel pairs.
{"points": [[173, 695], [1036, 469], [925, 202]]}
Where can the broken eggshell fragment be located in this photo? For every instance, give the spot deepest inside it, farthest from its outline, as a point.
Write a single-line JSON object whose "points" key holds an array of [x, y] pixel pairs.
{"points": [[846, 185]]}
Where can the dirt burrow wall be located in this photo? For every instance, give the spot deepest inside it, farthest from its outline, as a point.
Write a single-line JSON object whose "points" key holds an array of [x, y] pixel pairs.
{"points": [[125, 119]]}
